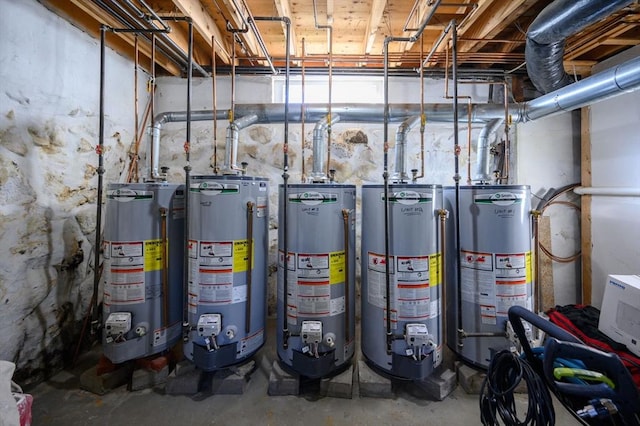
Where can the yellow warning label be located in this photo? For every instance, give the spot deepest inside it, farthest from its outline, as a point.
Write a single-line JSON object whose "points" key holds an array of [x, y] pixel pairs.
{"points": [[527, 263], [435, 275], [240, 255], [153, 255], [337, 267]]}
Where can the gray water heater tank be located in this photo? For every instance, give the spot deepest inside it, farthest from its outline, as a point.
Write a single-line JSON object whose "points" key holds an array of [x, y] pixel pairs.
{"points": [[228, 245], [495, 264], [316, 311], [143, 250], [415, 265]]}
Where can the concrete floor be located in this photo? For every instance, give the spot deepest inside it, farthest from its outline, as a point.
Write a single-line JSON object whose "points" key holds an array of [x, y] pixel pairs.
{"points": [[59, 401]]}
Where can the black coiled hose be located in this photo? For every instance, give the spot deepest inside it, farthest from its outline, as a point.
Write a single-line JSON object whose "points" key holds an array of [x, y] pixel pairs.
{"points": [[505, 372]]}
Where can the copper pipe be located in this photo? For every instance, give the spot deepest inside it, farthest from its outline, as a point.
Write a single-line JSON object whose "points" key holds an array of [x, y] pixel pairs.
{"points": [[136, 124], [165, 267], [538, 306], [215, 105], [250, 206], [347, 311], [442, 213]]}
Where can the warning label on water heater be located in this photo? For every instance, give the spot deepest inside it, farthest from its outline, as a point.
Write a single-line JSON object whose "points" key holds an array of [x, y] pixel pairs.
{"points": [[309, 280], [410, 279], [495, 282], [211, 268], [124, 273]]}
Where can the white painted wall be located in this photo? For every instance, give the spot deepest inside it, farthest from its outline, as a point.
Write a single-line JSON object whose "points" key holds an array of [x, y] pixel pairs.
{"points": [[49, 89], [548, 158], [615, 155]]}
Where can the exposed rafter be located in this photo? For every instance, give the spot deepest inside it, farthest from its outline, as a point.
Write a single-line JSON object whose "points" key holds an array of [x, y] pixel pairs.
{"points": [[375, 18], [204, 24], [284, 9]]}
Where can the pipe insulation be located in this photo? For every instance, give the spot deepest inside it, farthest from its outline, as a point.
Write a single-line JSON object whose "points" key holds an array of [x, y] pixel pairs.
{"points": [[483, 153], [319, 174], [400, 166], [547, 34], [607, 191]]}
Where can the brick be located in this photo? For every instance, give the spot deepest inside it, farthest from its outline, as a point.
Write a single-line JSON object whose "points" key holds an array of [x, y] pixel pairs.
{"points": [[105, 366], [154, 363]]}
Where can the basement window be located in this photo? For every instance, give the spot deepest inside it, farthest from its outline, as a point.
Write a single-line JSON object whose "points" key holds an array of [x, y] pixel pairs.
{"points": [[353, 90]]}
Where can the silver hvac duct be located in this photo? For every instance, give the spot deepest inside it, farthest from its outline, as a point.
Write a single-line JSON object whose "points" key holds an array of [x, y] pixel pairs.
{"points": [[319, 174], [544, 51], [400, 166], [482, 174], [622, 78], [231, 146], [171, 117]]}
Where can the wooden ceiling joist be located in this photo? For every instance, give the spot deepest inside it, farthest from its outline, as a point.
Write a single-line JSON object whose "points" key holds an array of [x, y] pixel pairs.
{"points": [[284, 9], [375, 19], [205, 25], [95, 16]]}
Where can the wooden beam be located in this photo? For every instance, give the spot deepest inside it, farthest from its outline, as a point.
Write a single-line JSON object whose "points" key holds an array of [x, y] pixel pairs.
{"points": [[375, 17], [284, 9], [585, 204], [620, 41], [488, 20], [96, 13], [584, 47], [205, 25], [238, 18]]}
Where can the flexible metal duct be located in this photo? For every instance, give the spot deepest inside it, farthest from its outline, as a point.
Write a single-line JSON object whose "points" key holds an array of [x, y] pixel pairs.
{"points": [[400, 167], [231, 147], [482, 174], [544, 51], [319, 141]]}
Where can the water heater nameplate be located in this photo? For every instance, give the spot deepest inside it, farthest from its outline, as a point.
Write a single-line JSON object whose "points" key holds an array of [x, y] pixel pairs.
{"points": [[125, 195]]}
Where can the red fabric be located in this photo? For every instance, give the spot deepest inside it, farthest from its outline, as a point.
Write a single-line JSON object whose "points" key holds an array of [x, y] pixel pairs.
{"points": [[628, 359], [24, 401]]}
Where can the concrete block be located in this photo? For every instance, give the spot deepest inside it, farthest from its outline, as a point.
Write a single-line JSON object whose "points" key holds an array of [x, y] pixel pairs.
{"points": [[439, 385], [233, 380], [339, 386], [183, 367], [186, 383], [372, 384], [282, 383], [101, 384], [470, 379], [148, 378]]}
